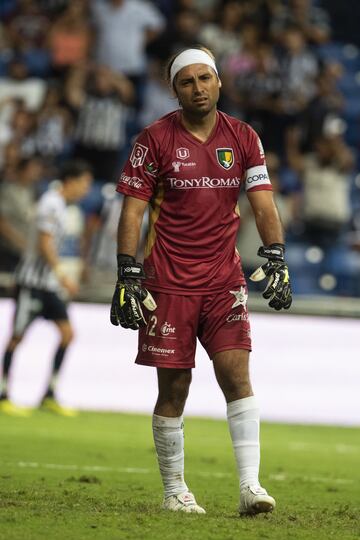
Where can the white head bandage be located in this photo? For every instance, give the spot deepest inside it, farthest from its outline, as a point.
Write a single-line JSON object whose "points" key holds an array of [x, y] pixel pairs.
{"points": [[188, 57]]}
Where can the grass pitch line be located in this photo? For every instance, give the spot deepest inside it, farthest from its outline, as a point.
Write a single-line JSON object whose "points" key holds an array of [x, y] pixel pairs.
{"points": [[281, 477], [98, 468], [310, 447], [313, 479]]}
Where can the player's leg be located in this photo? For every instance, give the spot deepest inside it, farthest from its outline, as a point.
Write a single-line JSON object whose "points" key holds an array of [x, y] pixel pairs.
{"points": [[232, 373], [26, 310], [168, 431], [225, 334], [56, 311], [168, 343], [6, 364], [66, 336]]}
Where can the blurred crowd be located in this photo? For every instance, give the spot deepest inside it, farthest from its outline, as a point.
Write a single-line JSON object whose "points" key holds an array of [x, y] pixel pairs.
{"points": [[81, 78]]}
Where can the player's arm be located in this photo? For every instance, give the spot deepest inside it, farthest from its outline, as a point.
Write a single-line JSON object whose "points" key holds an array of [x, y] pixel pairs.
{"points": [[129, 294], [266, 216], [75, 86], [268, 223], [123, 86], [11, 234], [130, 222], [48, 251]]}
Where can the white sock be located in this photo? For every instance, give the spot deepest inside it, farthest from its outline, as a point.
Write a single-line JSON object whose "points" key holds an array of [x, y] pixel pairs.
{"points": [[243, 419], [169, 443]]}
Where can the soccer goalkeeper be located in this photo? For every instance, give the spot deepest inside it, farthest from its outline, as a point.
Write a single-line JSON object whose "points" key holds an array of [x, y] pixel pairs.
{"points": [[189, 167]]}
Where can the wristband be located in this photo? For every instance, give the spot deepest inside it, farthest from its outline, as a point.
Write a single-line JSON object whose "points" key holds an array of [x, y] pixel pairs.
{"points": [[128, 268], [274, 252]]}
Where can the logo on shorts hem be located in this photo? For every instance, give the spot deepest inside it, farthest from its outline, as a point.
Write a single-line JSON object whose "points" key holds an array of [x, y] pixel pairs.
{"points": [[238, 317], [157, 350], [167, 330], [241, 297]]}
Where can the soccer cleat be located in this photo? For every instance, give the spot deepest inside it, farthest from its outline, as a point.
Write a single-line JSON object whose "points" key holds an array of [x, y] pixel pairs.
{"points": [[255, 500], [50, 405], [184, 502], [7, 407]]}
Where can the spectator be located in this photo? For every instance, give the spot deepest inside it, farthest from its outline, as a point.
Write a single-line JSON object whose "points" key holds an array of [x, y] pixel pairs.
{"points": [[10, 159], [183, 33], [258, 94], [239, 63], [24, 132], [54, 128], [299, 69], [17, 204], [325, 175], [101, 98], [8, 106], [18, 84], [28, 26], [222, 35], [27, 30], [124, 28], [53, 7], [207, 8], [312, 20], [158, 100], [70, 37], [6, 50], [327, 103]]}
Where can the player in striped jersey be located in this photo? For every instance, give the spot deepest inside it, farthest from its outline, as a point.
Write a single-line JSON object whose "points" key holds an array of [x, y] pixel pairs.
{"points": [[42, 288]]}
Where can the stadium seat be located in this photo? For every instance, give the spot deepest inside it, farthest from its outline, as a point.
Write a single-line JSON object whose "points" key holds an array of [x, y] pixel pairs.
{"points": [[305, 268], [344, 263], [349, 84]]}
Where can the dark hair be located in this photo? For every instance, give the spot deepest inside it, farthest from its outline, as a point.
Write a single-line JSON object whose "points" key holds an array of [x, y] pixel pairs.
{"points": [[174, 56], [74, 168], [25, 161]]}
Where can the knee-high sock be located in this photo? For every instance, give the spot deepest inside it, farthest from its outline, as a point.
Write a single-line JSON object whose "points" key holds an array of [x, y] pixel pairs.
{"points": [[243, 419], [169, 443], [57, 362], [7, 359]]}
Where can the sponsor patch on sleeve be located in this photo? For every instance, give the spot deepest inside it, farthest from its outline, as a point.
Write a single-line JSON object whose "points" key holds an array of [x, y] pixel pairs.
{"points": [[257, 176], [132, 181], [138, 154]]}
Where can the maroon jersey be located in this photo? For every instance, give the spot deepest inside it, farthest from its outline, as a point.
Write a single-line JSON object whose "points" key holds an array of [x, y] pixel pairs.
{"points": [[193, 188]]}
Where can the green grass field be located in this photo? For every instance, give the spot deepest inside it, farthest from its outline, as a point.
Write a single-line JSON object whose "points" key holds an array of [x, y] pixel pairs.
{"points": [[96, 477]]}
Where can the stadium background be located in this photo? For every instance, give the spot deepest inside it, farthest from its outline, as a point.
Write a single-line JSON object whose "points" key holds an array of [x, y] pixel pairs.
{"points": [[82, 78], [290, 68]]}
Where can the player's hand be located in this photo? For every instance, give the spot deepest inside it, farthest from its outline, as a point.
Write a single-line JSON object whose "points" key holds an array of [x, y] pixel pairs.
{"points": [[126, 303], [278, 289]]}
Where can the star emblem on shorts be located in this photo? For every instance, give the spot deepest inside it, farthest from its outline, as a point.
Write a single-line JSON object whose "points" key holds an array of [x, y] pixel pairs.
{"points": [[241, 297]]}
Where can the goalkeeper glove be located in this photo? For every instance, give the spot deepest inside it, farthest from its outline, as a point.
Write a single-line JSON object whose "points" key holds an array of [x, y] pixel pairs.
{"points": [[129, 295], [278, 289]]}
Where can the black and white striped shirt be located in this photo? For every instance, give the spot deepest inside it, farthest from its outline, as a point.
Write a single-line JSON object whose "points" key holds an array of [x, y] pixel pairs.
{"points": [[33, 270]]}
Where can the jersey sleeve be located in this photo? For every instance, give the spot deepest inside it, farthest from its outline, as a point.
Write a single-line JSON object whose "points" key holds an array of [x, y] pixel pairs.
{"points": [[47, 216], [138, 178], [256, 174]]}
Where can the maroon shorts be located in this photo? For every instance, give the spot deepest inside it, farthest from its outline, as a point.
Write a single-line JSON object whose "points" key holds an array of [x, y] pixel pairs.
{"points": [[220, 321]]}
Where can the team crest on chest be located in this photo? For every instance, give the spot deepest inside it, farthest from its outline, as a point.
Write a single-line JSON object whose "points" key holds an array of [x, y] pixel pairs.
{"points": [[225, 157], [182, 153]]}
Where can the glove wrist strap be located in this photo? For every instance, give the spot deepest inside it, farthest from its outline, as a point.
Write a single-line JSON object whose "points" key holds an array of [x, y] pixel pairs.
{"points": [[128, 268], [273, 252]]}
